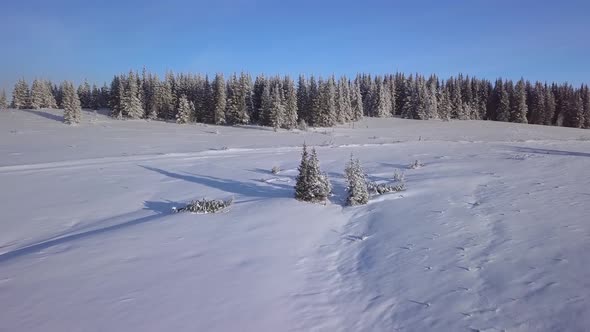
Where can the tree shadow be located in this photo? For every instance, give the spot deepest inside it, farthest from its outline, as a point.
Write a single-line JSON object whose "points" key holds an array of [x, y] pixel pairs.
{"points": [[269, 190], [65, 238], [46, 115], [160, 207], [398, 166], [550, 152]]}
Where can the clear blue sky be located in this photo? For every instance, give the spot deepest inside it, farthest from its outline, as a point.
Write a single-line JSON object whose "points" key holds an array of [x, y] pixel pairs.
{"points": [[58, 39]]}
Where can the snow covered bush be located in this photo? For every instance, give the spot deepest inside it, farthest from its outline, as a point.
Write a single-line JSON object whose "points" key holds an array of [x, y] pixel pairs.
{"points": [[384, 188], [312, 185], [275, 170], [302, 125], [204, 206], [399, 176], [415, 165], [358, 192]]}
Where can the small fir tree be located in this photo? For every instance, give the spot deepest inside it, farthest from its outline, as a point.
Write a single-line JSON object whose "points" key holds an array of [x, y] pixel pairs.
{"points": [[358, 193]]}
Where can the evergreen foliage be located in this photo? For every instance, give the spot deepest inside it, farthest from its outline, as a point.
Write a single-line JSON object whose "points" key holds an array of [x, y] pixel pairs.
{"points": [[71, 104], [3, 101], [184, 110], [358, 192], [205, 206], [21, 95], [311, 185], [316, 101]]}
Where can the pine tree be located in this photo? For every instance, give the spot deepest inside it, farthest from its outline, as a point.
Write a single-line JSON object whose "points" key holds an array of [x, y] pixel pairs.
{"points": [[445, 107], [358, 193], [315, 102], [586, 106], [219, 100], [21, 95], [549, 106], [116, 97], [303, 100], [302, 181], [519, 108], [327, 98], [49, 100], [356, 102], [537, 104], [184, 110], [432, 97], [84, 93], [3, 101], [37, 98], [319, 187], [290, 104], [503, 110], [381, 100], [131, 102], [257, 92], [95, 98], [237, 110], [276, 111], [311, 184], [71, 104]]}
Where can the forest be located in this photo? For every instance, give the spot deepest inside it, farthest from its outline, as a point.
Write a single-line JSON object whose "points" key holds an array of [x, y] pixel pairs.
{"points": [[280, 102]]}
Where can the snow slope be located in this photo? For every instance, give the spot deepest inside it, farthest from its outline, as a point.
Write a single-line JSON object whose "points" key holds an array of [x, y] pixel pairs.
{"points": [[492, 233]]}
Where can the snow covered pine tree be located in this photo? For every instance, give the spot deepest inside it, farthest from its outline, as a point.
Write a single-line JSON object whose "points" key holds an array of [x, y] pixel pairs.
{"points": [[312, 185], [358, 193]]}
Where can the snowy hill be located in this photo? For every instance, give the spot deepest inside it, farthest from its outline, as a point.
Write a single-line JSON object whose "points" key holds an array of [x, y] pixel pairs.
{"points": [[492, 232]]}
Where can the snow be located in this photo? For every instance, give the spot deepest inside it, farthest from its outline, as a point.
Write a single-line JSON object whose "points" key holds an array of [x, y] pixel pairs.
{"points": [[491, 233]]}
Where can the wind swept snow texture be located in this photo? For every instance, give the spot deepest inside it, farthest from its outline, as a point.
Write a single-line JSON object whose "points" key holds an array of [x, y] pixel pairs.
{"points": [[492, 234]]}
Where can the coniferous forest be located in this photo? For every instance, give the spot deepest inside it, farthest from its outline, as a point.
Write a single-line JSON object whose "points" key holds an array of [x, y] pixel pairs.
{"points": [[282, 102]]}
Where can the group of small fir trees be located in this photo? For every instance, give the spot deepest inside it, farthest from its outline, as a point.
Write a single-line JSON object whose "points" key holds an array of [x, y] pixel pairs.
{"points": [[312, 185]]}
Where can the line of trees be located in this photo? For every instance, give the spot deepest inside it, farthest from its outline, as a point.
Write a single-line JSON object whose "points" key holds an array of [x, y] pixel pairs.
{"points": [[280, 102]]}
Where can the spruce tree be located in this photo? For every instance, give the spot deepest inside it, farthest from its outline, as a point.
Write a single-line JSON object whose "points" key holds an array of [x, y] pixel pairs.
{"points": [[586, 106], [84, 93], [356, 101], [290, 104], [116, 97], [315, 102], [276, 111], [519, 108], [303, 100], [237, 110], [257, 92], [311, 184], [265, 105], [327, 96], [358, 193], [319, 184], [49, 100], [21, 95], [537, 104], [131, 103], [219, 100], [3, 101], [445, 107], [302, 182], [95, 97], [503, 110], [37, 97], [549, 106], [184, 110], [71, 104]]}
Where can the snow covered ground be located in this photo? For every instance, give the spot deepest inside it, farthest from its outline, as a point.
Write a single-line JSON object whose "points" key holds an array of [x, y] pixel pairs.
{"points": [[492, 234]]}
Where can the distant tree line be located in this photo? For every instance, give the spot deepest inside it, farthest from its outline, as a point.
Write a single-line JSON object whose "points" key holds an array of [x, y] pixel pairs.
{"points": [[280, 102]]}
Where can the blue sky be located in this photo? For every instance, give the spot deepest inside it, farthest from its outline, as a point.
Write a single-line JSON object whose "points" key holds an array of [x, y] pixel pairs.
{"points": [[539, 40]]}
